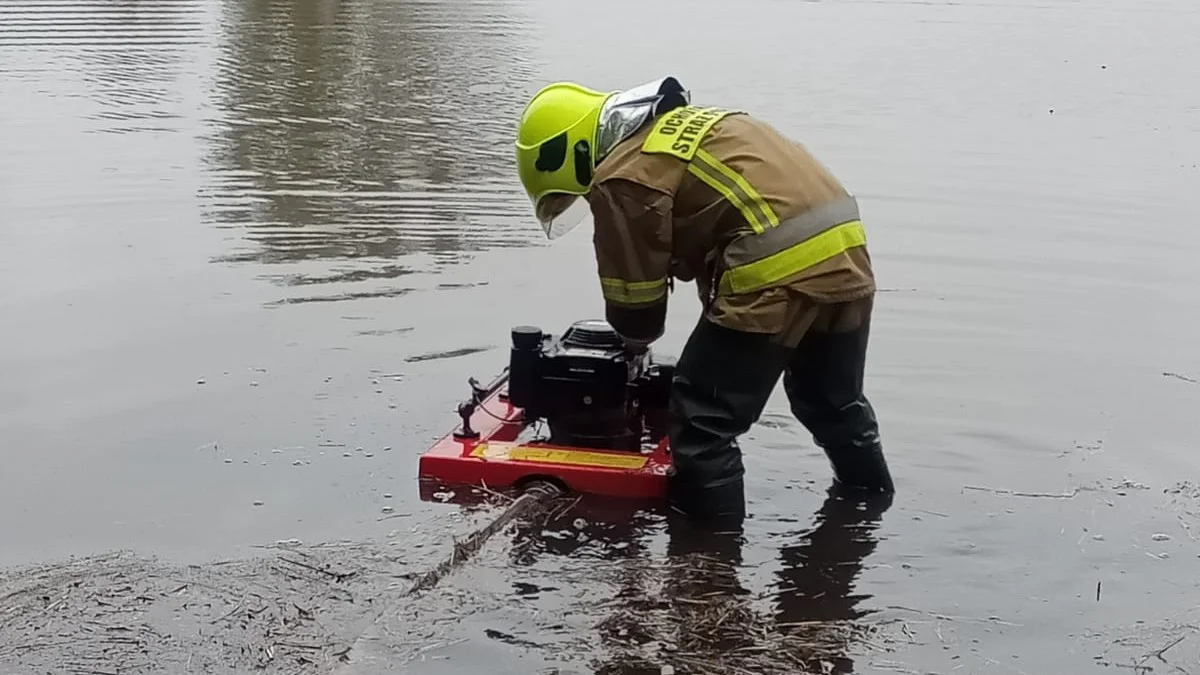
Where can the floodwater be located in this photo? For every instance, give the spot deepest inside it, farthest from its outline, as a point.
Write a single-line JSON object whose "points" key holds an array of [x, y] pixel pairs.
{"points": [[251, 251]]}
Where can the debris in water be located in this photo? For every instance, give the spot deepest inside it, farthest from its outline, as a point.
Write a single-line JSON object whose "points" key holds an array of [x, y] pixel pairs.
{"points": [[1158, 655], [1049, 495], [1188, 489], [116, 613], [461, 551], [448, 354]]}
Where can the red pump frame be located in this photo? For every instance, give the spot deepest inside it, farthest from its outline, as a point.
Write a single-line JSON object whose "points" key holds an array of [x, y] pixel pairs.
{"points": [[495, 460]]}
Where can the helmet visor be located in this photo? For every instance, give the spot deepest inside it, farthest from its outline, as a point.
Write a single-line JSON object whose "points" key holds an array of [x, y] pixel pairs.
{"points": [[559, 213]]}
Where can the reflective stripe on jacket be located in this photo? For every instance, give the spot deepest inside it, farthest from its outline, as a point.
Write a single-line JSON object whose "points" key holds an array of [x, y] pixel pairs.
{"points": [[723, 199]]}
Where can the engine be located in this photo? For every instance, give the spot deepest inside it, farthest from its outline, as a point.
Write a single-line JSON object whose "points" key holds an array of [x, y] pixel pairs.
{"points": [[591, 391]]}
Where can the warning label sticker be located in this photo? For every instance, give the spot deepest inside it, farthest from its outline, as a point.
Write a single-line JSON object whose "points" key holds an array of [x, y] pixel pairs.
{"points": [[489, 451], [560, 456]]}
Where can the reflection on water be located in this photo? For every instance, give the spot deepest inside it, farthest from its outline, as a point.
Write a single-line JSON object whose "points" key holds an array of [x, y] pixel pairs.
{"points": [[814, 598], [694, 608], [126, 56], [818, 571], [336, 149], [364, 132]]}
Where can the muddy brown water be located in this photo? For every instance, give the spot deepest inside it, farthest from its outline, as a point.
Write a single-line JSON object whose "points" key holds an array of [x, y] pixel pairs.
{"points": [[250, 252]]}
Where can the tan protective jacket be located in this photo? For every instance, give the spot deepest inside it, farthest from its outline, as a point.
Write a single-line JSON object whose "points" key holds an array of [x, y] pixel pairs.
{"points": [[763, 228]]}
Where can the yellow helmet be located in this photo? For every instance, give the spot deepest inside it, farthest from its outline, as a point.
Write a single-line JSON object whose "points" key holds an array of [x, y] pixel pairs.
{"points": [[556, 149]]}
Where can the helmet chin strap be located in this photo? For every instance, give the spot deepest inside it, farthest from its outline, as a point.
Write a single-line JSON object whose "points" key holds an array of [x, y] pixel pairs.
{"points": [[624, 113]]}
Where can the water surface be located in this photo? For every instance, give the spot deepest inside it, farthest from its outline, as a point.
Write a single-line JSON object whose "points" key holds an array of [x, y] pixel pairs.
{"points": [[250, 252]]}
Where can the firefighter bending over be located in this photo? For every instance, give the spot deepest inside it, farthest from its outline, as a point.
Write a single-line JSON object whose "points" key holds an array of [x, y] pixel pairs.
{"points": [[776, 248]]}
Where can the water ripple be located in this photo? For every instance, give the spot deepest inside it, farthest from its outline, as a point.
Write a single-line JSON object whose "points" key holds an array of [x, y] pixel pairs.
{"points": [[129, 57], [101, 24], [366, 133]]}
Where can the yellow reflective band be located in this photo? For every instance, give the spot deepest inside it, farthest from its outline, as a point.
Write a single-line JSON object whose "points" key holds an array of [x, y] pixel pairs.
{"points": [[778, 266], [555, 455], [757, 212], [578, 458], [717, 183], [679, 131], [633, 292]]}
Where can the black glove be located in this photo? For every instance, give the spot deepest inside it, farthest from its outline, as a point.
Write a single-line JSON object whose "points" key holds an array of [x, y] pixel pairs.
{"points": [[635, 347]]}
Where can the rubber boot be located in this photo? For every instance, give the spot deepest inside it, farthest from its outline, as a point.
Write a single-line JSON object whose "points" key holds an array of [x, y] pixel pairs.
{"points": [[858, 462], [722, 507], [722, 382], [824, 384]]}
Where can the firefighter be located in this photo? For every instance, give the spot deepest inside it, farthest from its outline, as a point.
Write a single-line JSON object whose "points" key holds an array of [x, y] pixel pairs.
{"points": [[773, 242]]}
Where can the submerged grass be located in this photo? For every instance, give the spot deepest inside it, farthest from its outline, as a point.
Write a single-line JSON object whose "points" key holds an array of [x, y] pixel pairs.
{"points": [[117, 613], [300, 610]]}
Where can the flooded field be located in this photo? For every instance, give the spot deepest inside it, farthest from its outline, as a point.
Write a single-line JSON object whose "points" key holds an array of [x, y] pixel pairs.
{"points": [[251, 251]]}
